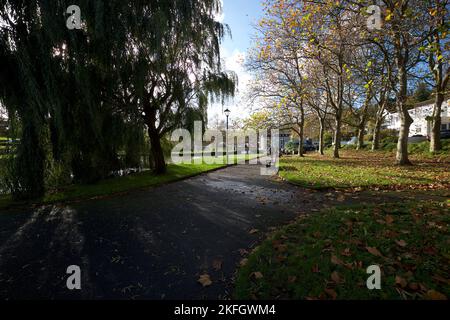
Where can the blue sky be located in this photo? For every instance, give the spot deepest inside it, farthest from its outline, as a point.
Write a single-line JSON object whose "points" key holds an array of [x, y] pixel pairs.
{"points": [[241, 16]]}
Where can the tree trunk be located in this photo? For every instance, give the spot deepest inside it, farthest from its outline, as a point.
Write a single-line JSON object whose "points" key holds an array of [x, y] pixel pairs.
{"points": [[376, 134], [435, 143], [405, 118], [402, 147], [156, 153], [321, 135], [301, 135], [337, 135], [300, 145], [361, 131]]}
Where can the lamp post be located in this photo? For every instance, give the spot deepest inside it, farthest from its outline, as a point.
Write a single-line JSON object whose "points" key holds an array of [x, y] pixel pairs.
{"points": [[227, 113]]}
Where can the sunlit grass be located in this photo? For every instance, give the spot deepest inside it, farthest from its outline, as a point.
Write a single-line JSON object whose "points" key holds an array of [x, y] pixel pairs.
{"points": [[362, 169], [326, 255]]}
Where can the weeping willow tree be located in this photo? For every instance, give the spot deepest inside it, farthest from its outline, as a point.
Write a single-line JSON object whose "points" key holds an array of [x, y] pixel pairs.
{"points": [[26, 90], [81, 96], [60, 84], [172, 65]]}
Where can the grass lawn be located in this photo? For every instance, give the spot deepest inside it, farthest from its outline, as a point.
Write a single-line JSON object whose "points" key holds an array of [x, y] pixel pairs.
{"points": [[326, 255], [363, 169], [127, 183]]}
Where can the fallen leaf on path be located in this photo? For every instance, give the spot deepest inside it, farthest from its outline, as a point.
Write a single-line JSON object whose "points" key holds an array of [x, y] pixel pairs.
{"points": [[335, 260], [442, 280], [331, 293], [374, 251], [434, 295], [389, 220], [401, 243], [243, 252], [346, 253], [253, 231], [413, 286], [400, 282], [205, 280], [336, 277], [243, 262]]}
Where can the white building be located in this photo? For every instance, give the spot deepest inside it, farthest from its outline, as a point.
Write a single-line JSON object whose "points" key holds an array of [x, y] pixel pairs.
{"points": [[422, 125]]}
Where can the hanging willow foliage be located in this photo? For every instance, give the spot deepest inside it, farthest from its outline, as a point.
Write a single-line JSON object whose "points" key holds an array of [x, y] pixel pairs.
{"points": [[80, 94]]}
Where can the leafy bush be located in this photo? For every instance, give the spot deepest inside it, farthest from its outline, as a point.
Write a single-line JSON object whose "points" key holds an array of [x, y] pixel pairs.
{"points": [[424, 147], [291, 146], [368, 137], [328, 139], [390, 146], [57, 174]]}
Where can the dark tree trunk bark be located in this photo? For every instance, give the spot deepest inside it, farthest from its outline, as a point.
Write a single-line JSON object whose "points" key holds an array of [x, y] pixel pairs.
{"points": [[405, 118], [301, 125], [321, 136], [402, 147], [376, 134], [337, 135], [361, 131], [156, 153], [301, 152], [435, 143]]}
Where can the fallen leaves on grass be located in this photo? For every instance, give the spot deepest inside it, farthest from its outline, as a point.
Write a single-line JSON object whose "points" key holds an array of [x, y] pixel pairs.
{"points": [[389, 220], [434, 295], [399, 281], [335, 260], [257, 275], [374, 251], [205, 280], [331, 293], [243, 262], [335, 276], [401, 243]]}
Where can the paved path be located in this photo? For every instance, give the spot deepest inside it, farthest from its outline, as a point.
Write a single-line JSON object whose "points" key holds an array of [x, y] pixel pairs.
{"points": [[150, 244]]}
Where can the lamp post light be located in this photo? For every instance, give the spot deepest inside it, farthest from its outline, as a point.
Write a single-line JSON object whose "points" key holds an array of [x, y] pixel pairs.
{"points": [[227, 113]]}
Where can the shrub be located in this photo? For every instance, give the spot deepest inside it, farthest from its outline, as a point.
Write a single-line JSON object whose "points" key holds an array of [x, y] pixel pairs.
{"points": [[328, 139], [291, 146]]}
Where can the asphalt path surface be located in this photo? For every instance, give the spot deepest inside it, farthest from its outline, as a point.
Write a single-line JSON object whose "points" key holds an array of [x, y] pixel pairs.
{"points": [[151, 244]]}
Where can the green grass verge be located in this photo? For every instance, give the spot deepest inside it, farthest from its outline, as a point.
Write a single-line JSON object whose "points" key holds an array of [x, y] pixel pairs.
{"points": [[361, 169], [128, 183], [326, 256]]}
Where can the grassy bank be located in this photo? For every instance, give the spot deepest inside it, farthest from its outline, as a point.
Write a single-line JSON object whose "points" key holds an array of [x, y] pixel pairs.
{"points": [[363, 169], [325, 256], [127, 183]]}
